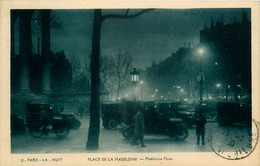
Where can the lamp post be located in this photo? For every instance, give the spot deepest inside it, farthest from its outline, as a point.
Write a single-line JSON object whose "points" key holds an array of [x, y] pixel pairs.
{"points": [[201, 77], [141, 82], [134, 79], [156, 93], [218, 87]]}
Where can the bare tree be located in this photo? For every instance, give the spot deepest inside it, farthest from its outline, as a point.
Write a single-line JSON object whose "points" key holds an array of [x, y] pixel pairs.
{"points": [[106, 74], [94, 127], [122, 63]]}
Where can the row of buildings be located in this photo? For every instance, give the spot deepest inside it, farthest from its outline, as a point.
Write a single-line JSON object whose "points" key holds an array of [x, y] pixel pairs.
{"points": [[225, 63]]}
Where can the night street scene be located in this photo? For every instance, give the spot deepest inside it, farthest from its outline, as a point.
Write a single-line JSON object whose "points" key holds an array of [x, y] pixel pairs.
{"points": [[131, 81]]}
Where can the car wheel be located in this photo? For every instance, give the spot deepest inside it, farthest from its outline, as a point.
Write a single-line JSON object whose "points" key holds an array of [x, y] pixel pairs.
{"points": [[76, 124], [112, 124], [182, 134], [37, 130], [62, 132]]}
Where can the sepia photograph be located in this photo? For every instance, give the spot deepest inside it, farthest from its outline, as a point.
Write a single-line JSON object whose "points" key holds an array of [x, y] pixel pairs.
{"points": [[131, 81]]}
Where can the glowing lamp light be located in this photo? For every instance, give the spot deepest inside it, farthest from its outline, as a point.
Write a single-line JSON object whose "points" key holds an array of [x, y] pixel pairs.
{"points": [[201, 51], [134, 76]]}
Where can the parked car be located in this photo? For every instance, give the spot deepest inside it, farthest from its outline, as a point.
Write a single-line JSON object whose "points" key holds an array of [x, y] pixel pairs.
{"points": [[209, 107], [34, 112], [157, 119], [236, 112], [168, 109], [111, 114], [73, 122], [41, 119]]}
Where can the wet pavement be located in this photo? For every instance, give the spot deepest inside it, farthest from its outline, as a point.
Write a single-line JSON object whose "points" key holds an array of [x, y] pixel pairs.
{"points": [[112, 141]]}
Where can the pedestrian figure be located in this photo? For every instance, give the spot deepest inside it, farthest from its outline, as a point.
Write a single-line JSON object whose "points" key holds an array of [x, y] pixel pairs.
{"points": [[46, 115], [139, 129], [200, 126]]}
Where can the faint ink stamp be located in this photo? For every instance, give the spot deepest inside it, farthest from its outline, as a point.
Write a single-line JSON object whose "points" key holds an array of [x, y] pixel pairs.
{"points": [[235, 144]]}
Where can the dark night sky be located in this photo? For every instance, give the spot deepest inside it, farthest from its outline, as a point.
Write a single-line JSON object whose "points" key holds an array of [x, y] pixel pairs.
{"points": [[153, 36]]}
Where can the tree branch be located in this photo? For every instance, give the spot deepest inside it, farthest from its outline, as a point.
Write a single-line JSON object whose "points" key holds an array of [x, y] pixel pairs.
{"points": [[119, 16]]}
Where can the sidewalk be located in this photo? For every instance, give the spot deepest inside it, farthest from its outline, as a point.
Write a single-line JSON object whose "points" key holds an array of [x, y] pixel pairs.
{"points": [[110, 141]]}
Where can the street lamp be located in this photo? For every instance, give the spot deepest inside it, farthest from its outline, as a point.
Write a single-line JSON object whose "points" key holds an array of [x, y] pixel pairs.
{"points": [[134, 78], [201, 77], [141, 82], [218, 87], [156, 93]]}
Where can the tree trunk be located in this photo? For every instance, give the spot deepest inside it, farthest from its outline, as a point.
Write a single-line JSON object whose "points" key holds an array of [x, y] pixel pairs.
{"points": [[94, 127]]}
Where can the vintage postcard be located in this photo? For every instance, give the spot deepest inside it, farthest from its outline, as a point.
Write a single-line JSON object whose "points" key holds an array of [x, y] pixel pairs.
{"points": [[129, 83]]}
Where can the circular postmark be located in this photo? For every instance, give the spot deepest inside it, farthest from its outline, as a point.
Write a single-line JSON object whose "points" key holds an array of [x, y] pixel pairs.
{"points": [[234, 143]]}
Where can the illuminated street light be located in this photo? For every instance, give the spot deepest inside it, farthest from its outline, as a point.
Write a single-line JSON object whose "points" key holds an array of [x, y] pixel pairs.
{"points": [[141, 82], [134, 78], [201, 51], [218, 85], [201, 76]]}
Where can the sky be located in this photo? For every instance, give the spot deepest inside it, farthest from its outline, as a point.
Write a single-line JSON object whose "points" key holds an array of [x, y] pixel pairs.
{"points": [[150, 37]]}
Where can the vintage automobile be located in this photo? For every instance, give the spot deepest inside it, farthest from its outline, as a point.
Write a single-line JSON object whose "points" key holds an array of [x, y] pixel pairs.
{"points": [[33, 113], [235, 112], [168, 109], [158, 119], [188, 111], [41, 119], [73, 122], [111, 114]]}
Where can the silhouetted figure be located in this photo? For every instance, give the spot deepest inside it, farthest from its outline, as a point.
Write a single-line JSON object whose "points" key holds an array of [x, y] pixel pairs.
{"points": [[46, 117], [200, 126], [139, 129]]}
